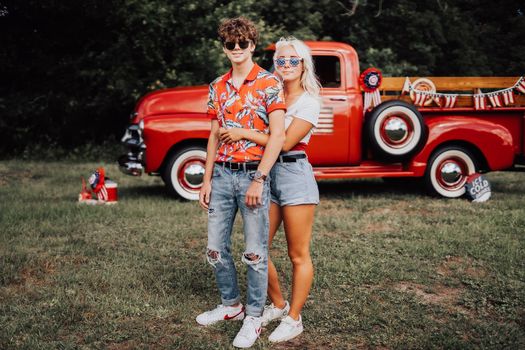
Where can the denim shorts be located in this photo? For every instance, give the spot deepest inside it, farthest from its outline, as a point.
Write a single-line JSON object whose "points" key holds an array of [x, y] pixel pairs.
{"points": [[293, 183]]}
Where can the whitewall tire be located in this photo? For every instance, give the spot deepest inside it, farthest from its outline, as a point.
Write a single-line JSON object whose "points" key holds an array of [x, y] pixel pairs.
{"points": [[396, 130], [447, 171], [184, 172]]}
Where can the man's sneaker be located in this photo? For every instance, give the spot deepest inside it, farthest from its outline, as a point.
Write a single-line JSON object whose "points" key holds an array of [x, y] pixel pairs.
{"points": [[288, 329], [221, 313], [251, 328], [272, 312]]}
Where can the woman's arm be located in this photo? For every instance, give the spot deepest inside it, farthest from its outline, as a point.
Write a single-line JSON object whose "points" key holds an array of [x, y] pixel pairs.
{"points": [[236, 134], [298, 129]]}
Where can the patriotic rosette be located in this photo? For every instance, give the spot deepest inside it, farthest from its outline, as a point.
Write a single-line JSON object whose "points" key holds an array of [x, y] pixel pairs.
{"points": [[97, 183], [370, 81]]}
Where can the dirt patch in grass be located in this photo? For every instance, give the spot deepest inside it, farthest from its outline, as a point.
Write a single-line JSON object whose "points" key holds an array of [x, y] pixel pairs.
{"points": [[382, 211], [376, 227], [76, 260], [446, 297], [456, 265], [7, 176], [329, 234], [440, 295], [193, 244], [305, 342], [124, 345], [405, 208], [36, 275], [30, 279]]}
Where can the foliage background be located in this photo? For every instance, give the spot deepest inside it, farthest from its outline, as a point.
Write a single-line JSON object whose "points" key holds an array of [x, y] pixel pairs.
{"points": [[71, 71]]}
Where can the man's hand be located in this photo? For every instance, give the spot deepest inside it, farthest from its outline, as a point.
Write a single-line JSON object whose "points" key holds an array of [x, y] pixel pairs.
{"points": [[254, 194], [230, 135], [204, 195]]}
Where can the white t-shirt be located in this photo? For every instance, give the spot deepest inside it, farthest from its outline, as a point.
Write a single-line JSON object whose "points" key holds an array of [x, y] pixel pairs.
{"points": [[306, 108]]}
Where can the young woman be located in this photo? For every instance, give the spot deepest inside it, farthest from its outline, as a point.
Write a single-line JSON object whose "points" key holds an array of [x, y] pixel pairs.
{"points": [[293, 187]]}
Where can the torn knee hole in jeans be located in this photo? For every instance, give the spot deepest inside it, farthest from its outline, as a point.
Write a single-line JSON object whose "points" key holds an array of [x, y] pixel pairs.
{"points": [[213, 257], [252, 259]]}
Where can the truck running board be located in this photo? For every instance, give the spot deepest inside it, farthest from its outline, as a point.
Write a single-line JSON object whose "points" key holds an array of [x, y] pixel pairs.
{"points": [[365, 169]]}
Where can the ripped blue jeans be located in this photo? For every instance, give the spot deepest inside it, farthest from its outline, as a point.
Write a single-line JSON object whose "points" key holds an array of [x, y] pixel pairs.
{"points": [[227, 197]]}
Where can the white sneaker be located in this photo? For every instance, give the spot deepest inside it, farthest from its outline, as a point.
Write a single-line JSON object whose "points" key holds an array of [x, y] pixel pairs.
{"points": [[250, 331], [271, 312], [221, 313], [288, 329]]}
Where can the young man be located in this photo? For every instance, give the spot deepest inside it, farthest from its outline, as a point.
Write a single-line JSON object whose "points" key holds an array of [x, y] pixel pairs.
{"points": [[236, 177]]}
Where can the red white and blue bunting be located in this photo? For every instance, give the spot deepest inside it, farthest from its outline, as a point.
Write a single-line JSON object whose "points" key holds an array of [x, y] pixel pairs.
{"points": [[499, 98]]}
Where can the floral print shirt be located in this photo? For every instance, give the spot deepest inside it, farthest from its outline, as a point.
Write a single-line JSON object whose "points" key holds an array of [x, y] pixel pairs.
{"points": [[248, 107]]}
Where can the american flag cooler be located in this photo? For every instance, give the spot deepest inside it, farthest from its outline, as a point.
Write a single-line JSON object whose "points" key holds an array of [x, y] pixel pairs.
{"points": [[108, 192]]}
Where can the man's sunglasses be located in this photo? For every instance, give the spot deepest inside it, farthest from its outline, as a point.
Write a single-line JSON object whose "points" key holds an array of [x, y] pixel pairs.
{"points": [[294, 61], [230, 45]]}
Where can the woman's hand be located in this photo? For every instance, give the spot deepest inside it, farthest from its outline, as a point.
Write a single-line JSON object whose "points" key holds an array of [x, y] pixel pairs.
{"points": [[231, 135]]}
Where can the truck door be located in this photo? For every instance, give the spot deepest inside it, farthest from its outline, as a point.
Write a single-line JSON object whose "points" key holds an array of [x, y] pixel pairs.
{"points": [[329, 144]]}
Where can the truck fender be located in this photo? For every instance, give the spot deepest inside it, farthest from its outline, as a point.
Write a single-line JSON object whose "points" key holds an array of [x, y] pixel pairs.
{"points": [[492, 140], [161, 133]]}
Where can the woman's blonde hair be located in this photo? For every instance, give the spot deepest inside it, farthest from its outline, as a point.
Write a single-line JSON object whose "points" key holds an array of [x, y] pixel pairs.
{"points": [[309, 81]]}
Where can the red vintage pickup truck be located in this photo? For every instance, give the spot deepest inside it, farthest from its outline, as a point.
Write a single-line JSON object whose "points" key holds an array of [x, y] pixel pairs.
{"points": [[441, 144]]}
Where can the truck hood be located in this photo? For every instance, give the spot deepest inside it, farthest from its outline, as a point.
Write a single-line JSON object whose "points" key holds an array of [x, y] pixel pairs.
{"points": [[186, 100]]}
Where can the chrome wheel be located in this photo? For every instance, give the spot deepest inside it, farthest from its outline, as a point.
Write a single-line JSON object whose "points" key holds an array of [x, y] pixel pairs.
{"points": [[448, 170], [185, 171], [395, 130]]}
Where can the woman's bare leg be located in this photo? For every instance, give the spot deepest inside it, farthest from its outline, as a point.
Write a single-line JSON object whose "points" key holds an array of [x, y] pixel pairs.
{"points": [[298, 221]]}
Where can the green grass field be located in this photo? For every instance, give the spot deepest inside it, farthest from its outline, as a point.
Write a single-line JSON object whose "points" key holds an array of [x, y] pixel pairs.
{"points": [[395, 269]]}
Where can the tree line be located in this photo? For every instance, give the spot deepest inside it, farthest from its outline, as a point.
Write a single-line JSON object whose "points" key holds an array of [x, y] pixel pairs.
{"points": [[71, 71]]}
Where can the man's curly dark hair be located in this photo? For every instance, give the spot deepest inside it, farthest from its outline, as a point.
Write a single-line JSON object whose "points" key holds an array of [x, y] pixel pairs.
{"points": [[238, 29]]}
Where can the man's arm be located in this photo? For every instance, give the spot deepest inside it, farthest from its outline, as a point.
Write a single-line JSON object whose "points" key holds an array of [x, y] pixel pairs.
{"points": [[211, 152], [271, 152]]}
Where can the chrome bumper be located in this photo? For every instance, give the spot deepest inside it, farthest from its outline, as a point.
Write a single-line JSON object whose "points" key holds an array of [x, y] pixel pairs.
{"points": [[129, 166], [132, 163]]}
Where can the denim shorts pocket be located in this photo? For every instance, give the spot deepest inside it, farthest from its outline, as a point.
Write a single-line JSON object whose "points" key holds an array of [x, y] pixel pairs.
{"points": [[309, 169], [295, 168]]}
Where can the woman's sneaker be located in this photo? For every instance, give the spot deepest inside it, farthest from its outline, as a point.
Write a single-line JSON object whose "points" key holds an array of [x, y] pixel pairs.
{"points": [[250, 331], [272, 312], [288, 329], [221, 313]]}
